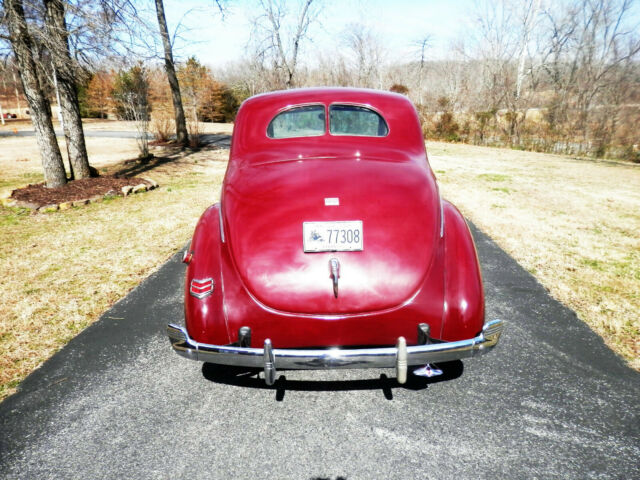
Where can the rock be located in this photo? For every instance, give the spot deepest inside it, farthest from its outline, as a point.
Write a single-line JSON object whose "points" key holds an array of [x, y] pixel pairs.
{"points": [[127, 190], [79, 203], [153, 183], [139, 188], [32, 206], [65, 205], [49, 208]]}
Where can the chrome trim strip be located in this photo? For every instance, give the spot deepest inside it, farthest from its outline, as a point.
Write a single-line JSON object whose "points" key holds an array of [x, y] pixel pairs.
{"points": [[441, 216], [221, 223], [384, 357]]}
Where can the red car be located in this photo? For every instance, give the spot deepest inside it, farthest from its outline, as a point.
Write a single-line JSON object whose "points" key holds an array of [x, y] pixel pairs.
{"points": [[331, 246]]}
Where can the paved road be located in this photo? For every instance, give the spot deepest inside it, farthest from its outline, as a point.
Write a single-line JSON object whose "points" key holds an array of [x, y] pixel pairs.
{"points": [[550, 402], [206, 139]]}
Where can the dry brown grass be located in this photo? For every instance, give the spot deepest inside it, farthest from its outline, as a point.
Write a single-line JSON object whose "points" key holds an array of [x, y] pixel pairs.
{"points": [[574, 224], [60, 271]]}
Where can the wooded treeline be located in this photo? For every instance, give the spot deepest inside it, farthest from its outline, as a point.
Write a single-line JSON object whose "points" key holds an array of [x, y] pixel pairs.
{"points": [[559, 76]]}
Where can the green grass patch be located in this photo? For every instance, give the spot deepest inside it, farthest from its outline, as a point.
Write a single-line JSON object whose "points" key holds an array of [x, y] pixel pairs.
{"points": [[595, 264], [494, 177], [11, 216], [21, 180]]}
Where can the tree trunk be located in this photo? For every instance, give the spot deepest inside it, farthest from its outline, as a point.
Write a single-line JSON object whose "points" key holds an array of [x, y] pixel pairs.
{"points": [[40, 109], [63, 71], [181, 125], [15, 87]]}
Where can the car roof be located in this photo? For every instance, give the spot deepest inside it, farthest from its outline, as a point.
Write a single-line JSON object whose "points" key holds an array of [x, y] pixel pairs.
{"points": [[251, 144], [324, 95]]}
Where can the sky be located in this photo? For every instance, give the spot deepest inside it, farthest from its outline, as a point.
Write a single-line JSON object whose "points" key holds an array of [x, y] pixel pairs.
{"points": [[398, 23]]}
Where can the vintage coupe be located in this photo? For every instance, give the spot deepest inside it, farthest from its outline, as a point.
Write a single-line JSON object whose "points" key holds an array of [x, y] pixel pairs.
{"points": [[331, 246]]}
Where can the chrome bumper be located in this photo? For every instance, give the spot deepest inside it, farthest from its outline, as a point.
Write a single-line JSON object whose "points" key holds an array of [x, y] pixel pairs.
{"points": [[398, 357]]}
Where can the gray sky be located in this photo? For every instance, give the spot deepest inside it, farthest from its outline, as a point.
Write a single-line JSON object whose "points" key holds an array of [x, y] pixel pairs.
{"points": [[398, 23]]}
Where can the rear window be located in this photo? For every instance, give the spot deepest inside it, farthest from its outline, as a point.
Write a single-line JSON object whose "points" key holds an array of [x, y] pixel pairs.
{"points": [[354, 120], [305, 121]]}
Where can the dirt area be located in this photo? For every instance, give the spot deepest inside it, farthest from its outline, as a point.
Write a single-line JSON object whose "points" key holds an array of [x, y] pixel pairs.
{"points": [[39, 195]]}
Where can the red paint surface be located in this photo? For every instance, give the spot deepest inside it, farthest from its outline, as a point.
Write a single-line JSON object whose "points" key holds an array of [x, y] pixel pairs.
{"points": [[265, 281]]}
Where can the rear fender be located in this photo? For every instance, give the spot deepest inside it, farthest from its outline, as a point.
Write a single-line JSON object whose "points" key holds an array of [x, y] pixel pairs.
{"points": [[205, 317], [464, 296]]}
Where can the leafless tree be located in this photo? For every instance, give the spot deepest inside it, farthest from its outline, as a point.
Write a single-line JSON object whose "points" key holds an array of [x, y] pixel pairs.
{"points": [[278, 44], [422, 45], [65, 73], [40, 110], [367, 53], [131, 90], [591, 44], [181, 125]]}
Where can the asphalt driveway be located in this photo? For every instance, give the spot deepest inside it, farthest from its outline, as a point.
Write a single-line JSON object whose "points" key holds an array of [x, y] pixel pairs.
{"points": [[551, 401]]}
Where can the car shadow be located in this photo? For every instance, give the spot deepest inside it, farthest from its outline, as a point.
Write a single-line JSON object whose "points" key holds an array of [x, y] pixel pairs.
{"points": [[252, 378]]}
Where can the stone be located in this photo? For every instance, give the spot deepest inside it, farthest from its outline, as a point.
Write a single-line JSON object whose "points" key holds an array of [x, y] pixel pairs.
{"points": [[32, 206], [65, 205], [139, 188], [127, 190], [152, 183], [49, 208], [79, 203]]}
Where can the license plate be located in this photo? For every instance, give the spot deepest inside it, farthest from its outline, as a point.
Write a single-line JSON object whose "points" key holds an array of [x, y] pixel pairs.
{"points": [[339, 236]]}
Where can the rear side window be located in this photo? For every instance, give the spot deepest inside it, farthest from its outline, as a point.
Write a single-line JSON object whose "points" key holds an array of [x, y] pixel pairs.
{"points": [[305, 121], [354, 120]]}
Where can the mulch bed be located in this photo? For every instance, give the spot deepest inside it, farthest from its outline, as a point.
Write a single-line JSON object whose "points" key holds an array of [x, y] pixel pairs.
{"points": [[73, 191]]}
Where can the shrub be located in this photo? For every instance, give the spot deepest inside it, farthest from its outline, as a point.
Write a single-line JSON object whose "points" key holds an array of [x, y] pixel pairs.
{"points": [[162, 124]]}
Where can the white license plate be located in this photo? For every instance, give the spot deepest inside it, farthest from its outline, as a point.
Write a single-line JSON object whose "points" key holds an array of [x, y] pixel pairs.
{"points": [[340, 236]]}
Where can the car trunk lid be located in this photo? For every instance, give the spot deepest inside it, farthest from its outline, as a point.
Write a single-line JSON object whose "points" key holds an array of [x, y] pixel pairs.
{"points": [[265, 206]]}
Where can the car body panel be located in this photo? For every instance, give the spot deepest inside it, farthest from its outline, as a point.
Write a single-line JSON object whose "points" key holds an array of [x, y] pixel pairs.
{"points": [[266, 205], [418, 264]]}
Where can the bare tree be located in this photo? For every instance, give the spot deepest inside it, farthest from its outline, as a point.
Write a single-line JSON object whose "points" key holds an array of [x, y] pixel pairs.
{"points": [[367, 52], [39, 107], [422, 44], [65, 73], [131, 91], [590, 44], [181, 125], [275, 43]]}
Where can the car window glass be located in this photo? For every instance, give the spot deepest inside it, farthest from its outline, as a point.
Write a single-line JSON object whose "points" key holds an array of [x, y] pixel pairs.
{"points": [[354, 120], [305, 121]]}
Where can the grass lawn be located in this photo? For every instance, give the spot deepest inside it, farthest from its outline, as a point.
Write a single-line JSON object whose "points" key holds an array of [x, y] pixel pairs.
{"points": [[61, 270], [574, 224]]}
